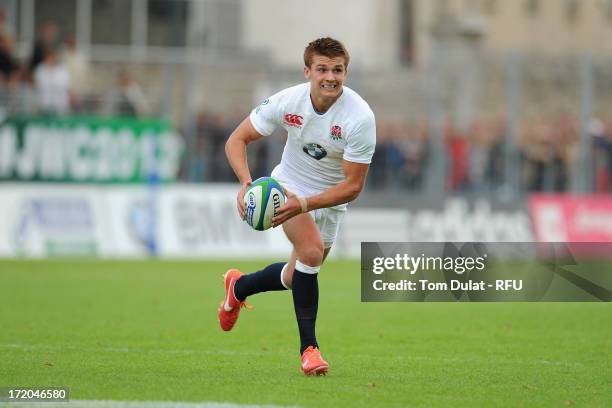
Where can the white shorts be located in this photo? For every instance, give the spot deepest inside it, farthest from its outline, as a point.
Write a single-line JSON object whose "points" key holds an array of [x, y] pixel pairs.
{"points": [[328, 220]]}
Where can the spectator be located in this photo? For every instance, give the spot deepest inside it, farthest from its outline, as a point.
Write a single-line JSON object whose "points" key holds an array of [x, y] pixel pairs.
{"points": [[608, 155], [538, 151], [47, 40], [565, 136], [126, 99], [486, 154], [601, 136], [498, 136], [457, 145], [9, 70], [52, 84], [78, 68], [381, 166], [5, 24], [549, 147], [396, 155], [214, 132], [197, 152], [479, 154], [416, 149]]}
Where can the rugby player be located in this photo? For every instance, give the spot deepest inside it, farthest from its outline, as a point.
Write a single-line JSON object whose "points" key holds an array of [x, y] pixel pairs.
{"points": [[331, 136]]}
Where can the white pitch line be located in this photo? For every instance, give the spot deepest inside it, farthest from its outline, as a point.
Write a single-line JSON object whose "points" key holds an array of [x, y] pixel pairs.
{"points": [[131, 404], [131, 350], [216, 352]]}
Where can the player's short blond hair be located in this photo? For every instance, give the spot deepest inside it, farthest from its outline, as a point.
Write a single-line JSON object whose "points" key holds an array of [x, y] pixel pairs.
{"points": [[328, 47]]}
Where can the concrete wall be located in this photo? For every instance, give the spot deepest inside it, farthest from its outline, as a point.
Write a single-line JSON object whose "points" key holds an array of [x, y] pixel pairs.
{"points": [[369, 29], [510, 26]]}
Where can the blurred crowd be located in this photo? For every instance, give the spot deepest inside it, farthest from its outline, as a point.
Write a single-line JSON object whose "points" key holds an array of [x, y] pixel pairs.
{"points": [[475, 160], [543, 153], [206, 160], [56, 79]]}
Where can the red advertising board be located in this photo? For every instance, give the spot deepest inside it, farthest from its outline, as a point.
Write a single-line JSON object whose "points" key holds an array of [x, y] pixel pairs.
{"points": [[571, 218]]}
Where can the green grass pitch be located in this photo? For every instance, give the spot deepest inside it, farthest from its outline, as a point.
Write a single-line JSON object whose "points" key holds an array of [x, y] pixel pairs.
{"points": [[115, 330]]}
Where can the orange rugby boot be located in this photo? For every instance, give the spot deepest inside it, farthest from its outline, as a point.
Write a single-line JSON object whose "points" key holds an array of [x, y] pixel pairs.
{"points": [[229, 310], [313, 363]]}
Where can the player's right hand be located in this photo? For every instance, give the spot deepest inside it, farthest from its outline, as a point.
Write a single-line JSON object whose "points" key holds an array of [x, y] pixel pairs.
{"points": [[287, 210], [240, 199]]}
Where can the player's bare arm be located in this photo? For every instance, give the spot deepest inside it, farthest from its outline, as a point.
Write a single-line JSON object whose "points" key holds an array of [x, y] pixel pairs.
{"points": [[236, 152], [346, 191]]}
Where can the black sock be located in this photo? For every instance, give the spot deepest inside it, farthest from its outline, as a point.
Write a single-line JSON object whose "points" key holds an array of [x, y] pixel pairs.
{"points": [[305, 289], [261, 281]]}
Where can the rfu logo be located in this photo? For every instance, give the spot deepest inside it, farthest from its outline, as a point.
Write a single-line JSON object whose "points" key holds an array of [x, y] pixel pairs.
{"points": [[291, 119]]}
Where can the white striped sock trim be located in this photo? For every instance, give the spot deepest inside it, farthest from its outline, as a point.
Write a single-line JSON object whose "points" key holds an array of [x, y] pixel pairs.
{"points": [[307, 269], [282, 274]]}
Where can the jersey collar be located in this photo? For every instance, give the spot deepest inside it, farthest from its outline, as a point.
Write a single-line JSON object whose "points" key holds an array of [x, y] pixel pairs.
{"points": [[330, 108]]}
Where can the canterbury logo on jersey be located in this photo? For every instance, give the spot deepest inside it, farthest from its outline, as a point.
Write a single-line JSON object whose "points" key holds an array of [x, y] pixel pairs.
{"points": [[291, 119]]}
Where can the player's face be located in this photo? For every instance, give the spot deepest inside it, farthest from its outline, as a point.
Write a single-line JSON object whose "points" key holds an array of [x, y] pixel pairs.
{"points": [[326, 76]]}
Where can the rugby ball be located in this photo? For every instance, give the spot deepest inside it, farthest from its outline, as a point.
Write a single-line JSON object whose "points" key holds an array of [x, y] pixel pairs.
{"points": [[262, 199]]}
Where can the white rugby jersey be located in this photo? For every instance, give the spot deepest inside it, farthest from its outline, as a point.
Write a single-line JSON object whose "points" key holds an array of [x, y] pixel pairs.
{"points": [[317, 143]]}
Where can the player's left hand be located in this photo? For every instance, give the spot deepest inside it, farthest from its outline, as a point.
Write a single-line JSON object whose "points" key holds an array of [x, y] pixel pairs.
{"points": [[240, 205], [290, 209]]}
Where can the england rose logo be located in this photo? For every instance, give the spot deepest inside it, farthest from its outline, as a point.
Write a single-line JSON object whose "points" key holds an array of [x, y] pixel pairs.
{"points": [[336, 132]]}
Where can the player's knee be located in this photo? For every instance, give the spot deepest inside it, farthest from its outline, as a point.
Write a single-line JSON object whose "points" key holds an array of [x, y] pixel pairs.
{"points": [[312, 256]]}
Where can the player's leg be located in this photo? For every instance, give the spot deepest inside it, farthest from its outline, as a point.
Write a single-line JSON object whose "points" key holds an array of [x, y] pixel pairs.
{"points": [[312, 236], [238, 286], [274, 277], [328, 221], [265, 280], [289, 267], [308, 246]]}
